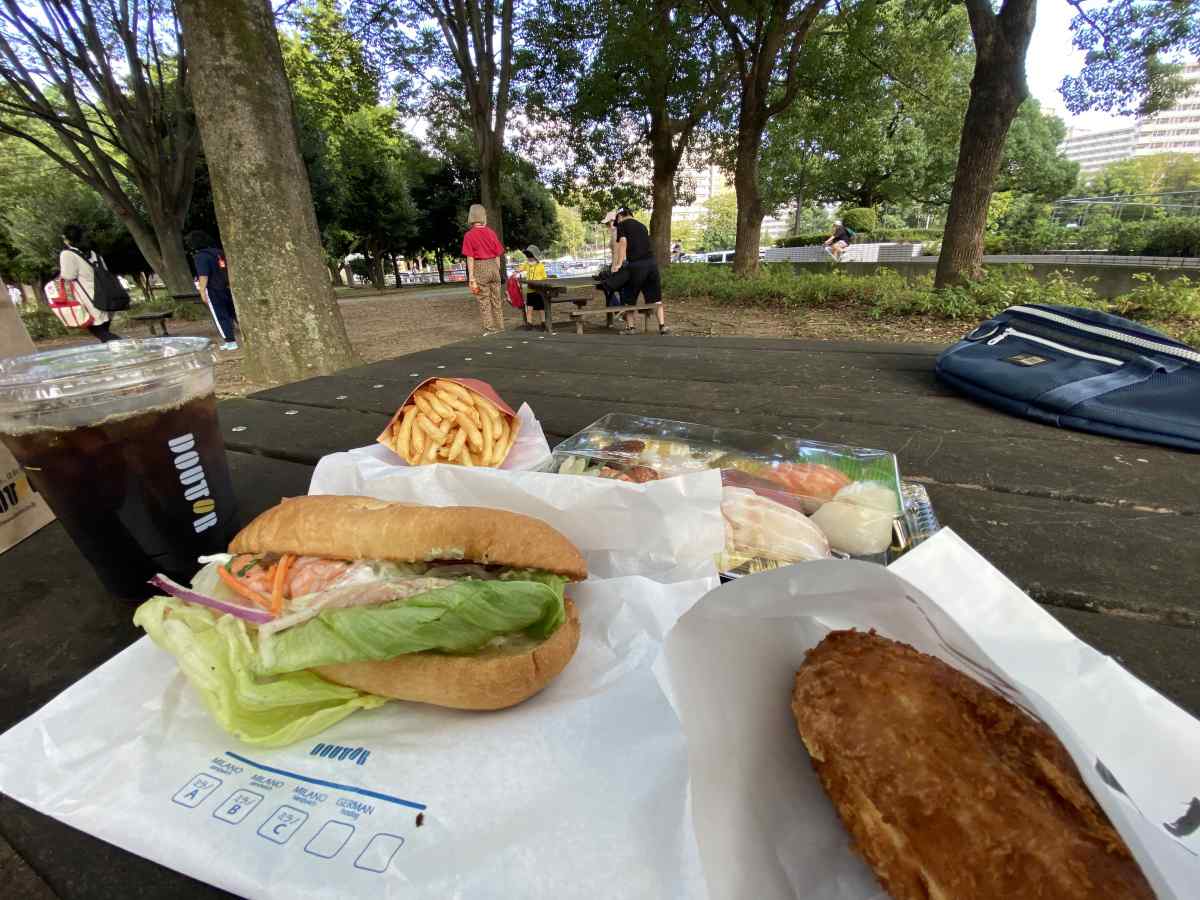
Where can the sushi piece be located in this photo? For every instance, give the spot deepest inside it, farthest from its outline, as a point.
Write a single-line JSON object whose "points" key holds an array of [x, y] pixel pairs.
{"points": [[757, 526], [872, 494], [812, 481], [858, 520]]}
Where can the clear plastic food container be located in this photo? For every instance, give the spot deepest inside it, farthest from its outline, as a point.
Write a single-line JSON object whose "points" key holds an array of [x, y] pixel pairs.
{"points": [[786, 499]]}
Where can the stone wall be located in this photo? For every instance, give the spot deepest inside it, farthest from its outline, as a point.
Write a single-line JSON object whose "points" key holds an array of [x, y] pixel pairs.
{"points": [[1113, 274]]}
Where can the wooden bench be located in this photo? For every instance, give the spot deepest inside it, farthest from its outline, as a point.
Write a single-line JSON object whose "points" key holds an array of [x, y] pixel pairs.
{"points": [[644, 308], [154, 321]]}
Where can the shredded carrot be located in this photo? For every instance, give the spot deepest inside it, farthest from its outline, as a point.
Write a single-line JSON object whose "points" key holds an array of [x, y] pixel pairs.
{"points": [[281, 571], [250, 594]]}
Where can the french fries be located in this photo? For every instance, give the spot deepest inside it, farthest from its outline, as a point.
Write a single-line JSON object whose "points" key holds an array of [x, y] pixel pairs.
{"points": [[447, 422]]}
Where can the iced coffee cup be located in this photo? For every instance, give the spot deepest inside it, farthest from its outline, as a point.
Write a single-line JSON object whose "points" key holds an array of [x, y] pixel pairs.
{"points": [[122, 441]]}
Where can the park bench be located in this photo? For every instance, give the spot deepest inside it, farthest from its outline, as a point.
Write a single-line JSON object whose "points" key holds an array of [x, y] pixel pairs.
{"points": [[156, 322], [644, 308]]}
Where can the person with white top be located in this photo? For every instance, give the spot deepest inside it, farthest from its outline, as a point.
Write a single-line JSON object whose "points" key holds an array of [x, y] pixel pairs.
{"points": [[75, 265]]}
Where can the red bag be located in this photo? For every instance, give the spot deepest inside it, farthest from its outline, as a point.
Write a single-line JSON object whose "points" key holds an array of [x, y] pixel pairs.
{"points": [[63, 304], [516, 296]]}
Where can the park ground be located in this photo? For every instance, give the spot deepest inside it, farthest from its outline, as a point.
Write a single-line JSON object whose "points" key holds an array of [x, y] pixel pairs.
{"points": [[408, 320]]}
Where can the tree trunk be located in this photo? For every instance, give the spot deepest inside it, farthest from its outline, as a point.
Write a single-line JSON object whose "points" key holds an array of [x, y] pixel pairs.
{"points": [[335, 275], [377, 282], [396, 269], [285, 303], [142, 280], [175, 270], [998, 88], [489, 182], [441, 267], [39, 291], [160, 240], [989, 115], [663, 197], [749, 202]]}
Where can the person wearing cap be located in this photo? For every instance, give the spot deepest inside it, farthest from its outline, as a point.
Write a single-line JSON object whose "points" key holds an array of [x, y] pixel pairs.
{"points": [[634, 253], [483, 251], [533, 269], [610, 221]]}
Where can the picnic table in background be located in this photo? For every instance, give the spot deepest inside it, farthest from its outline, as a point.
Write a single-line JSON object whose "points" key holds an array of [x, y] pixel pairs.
{"points": [[578, 290], [1102, 532]]}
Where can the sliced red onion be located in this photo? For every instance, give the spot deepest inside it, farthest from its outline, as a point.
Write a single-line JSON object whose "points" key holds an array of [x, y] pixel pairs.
{"points": [[257, 616]]}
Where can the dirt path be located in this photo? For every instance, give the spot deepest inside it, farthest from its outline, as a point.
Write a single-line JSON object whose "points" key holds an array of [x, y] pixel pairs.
{"points": [[382, 326]]}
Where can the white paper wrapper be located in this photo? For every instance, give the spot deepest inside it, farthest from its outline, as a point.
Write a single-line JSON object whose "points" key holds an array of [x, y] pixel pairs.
{"points": [[764, 824], [580, 791], [670, 529]]}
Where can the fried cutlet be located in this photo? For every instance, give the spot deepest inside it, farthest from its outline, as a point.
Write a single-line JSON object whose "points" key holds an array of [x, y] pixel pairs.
{"points": [[949, 790]]}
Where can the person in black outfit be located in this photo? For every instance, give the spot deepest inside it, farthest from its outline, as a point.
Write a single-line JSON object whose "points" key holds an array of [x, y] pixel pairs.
{"points": [[633, 252], [836, 243], [214, 285]]}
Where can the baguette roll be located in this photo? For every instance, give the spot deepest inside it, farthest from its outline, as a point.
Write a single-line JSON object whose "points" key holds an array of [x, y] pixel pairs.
{"points": [[364, 528]]}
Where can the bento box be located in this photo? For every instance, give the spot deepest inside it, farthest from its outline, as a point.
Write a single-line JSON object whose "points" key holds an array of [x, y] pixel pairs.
{"points": [[786, 499]]}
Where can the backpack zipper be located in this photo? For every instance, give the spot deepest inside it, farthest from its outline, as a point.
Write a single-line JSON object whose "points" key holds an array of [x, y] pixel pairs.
{"points": [[1063, 347], [1111, 334]]}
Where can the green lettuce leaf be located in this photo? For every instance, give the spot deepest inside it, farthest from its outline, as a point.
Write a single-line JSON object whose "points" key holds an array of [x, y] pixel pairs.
{"points": [[457, 619], [217, 655]]}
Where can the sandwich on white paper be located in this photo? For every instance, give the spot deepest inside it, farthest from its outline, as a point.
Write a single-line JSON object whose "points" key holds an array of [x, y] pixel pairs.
{"points": [[324, 605]]}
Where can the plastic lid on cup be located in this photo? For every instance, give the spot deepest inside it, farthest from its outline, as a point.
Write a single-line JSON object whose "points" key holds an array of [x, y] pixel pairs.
{"points": [[78, 375]]}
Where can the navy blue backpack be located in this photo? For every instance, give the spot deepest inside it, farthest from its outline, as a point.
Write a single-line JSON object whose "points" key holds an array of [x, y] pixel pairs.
{"points": [[1082, 369]]}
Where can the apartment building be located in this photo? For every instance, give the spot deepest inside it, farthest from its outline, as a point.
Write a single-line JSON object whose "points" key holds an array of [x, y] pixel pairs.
{"points": [[708, 181], [1175, 130]]}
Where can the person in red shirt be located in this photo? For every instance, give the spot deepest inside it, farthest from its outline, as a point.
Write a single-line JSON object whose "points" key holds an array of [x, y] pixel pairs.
{"points": [[483, 250]]}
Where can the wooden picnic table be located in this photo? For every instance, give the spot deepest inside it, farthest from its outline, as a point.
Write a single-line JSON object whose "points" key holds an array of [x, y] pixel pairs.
{"points": [[1104, 533], [578, 290]]}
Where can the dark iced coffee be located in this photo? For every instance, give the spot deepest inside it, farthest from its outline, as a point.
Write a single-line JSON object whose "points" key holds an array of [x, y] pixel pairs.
{"points": [[141, 486]]}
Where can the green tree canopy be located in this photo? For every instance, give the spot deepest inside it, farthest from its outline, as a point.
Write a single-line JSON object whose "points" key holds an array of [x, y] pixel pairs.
{"points": [[369, 164], [37, 200], [892, 139], [1032, 163], [619, 98], [718, 225], [1132, 49], [328, 68], [1153, 174]]}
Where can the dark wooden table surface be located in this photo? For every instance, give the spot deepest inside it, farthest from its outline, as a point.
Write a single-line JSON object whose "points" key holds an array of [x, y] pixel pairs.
{"points": [[1104, 533]]}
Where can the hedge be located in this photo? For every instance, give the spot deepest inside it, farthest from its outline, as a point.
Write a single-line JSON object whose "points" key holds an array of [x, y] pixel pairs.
{"points": [[886, 293], [860, 219]]}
